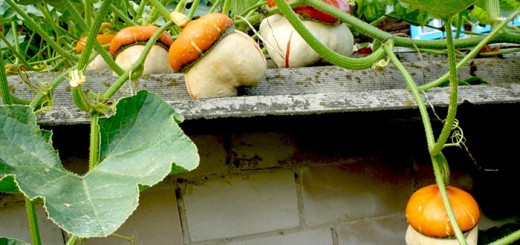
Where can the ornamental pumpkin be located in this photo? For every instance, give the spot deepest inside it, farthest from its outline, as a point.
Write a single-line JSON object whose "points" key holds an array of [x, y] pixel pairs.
{"points": [[216, 58], [98, 63], [288, 49], [425, 211], [130, 42]]}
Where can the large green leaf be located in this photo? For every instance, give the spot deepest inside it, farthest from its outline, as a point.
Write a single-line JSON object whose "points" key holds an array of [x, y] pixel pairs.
{"points": [[441, 9], [139, 143], [237, 7]]}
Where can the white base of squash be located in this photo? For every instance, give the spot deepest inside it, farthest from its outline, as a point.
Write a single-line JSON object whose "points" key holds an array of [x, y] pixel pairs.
{"points": [[98, 64], [155, 63], [413, 237]]}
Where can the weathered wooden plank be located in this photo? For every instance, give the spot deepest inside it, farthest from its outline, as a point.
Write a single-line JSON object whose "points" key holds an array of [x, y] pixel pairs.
{"points": [[300, 91]]}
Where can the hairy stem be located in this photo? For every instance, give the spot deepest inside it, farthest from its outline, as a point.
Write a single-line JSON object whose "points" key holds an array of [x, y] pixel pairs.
{"points": [[94, 141], [91, 38], [193, 8], [33, 222], [440, 165], [226, 6], [88, 11], [165, 13], [4, 85], [492, 7], [452, 107]]}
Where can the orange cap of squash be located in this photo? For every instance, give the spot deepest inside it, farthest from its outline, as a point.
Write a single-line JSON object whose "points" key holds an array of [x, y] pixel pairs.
{"points": [[197, 36], [133, 34], [426, 213], [103, 39]]}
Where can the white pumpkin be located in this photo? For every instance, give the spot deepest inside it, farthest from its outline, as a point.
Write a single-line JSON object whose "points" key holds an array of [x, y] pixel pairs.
{"points": [[235, 61], [156, 61], [413, 237], [288, 49]]}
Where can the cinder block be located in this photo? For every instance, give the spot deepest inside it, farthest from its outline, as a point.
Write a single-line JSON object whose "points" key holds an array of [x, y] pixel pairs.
{"points": [[310, 237], [261, 150], [365, 188], [386, 230], [241, 205], [212, 155], [155, 221], [13, 224]]}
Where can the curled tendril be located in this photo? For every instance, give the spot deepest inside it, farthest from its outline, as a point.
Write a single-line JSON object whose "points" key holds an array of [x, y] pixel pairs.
{"points": [[457, 136]]}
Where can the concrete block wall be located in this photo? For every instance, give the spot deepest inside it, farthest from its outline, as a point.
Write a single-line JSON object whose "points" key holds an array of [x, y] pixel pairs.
{"points": [[271, 187]]}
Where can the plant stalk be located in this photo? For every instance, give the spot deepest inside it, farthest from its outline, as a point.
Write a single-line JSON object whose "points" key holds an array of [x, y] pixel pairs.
{"points": [[165, 13], [440, 166], [91, 38], [94, 141], [452, 106], [72, 240], [33, 222], [99, 48], [193, 8], [4, 85], [41, 95], [492, 7], [509, 239], [225, 7], [88, 12], [441, 170]]}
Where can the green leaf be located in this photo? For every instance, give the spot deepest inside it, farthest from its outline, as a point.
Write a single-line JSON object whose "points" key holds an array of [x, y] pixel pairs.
{"points": [[237, 7], [480, 15], [139, 143], [8, 185], [371, 9], [11, 241], [509, 5], [410, 14], [441, 9]]}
